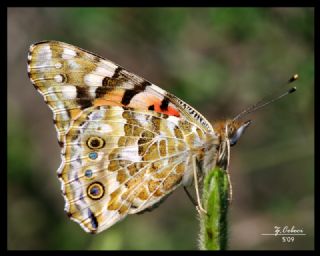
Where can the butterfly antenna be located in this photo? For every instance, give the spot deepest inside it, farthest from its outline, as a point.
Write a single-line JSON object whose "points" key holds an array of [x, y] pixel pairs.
{"points": [[266, 100]]}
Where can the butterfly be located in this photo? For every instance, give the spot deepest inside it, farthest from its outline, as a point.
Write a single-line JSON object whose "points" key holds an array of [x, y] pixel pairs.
{"points": [[126, 144]]}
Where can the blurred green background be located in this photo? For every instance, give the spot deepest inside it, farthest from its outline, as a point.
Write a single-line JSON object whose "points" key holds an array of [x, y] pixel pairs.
{"points": [[219, 60]]}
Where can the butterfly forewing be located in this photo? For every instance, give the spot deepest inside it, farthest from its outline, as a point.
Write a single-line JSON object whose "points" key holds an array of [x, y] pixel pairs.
{"points": [[72, 79]]}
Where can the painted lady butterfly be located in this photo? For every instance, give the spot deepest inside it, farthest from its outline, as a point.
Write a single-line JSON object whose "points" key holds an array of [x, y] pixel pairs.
{"points": [[125, 143]]}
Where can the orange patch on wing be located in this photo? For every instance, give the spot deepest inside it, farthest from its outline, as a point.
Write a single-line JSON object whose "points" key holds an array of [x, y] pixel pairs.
{"points": [[103, 102], [171, 111], [112, 98], [142, 100]]}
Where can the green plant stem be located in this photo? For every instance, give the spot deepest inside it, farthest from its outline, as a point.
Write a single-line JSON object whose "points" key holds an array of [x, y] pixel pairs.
{"points": [[213, 230]]}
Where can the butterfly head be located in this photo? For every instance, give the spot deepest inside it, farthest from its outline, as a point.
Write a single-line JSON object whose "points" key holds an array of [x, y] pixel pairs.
{"points": [[231, 130]]}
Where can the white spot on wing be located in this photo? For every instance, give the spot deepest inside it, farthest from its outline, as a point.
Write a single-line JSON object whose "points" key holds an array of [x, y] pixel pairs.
{"points": [[43, 58], [73, 64], [69, 91], [92, 92], [173, 119], [93, 80], [130, 154], [105, 128], [45, 50], [104, 69], [172, 123], [68, 54], [58, 78], [142, 119]]}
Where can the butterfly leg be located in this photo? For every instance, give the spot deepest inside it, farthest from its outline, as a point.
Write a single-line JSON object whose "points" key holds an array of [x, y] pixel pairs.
{"points": [[199, 207], [230, 188], [223, 163], [227, 171], [189, 196]]}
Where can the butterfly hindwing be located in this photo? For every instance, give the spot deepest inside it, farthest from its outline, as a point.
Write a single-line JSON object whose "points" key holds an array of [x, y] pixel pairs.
{"points": [[120, 161]]}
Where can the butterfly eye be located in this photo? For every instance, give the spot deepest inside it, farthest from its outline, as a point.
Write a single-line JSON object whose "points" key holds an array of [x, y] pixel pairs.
{"points": [[95, 191], [95, 142], [234, 139]]}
